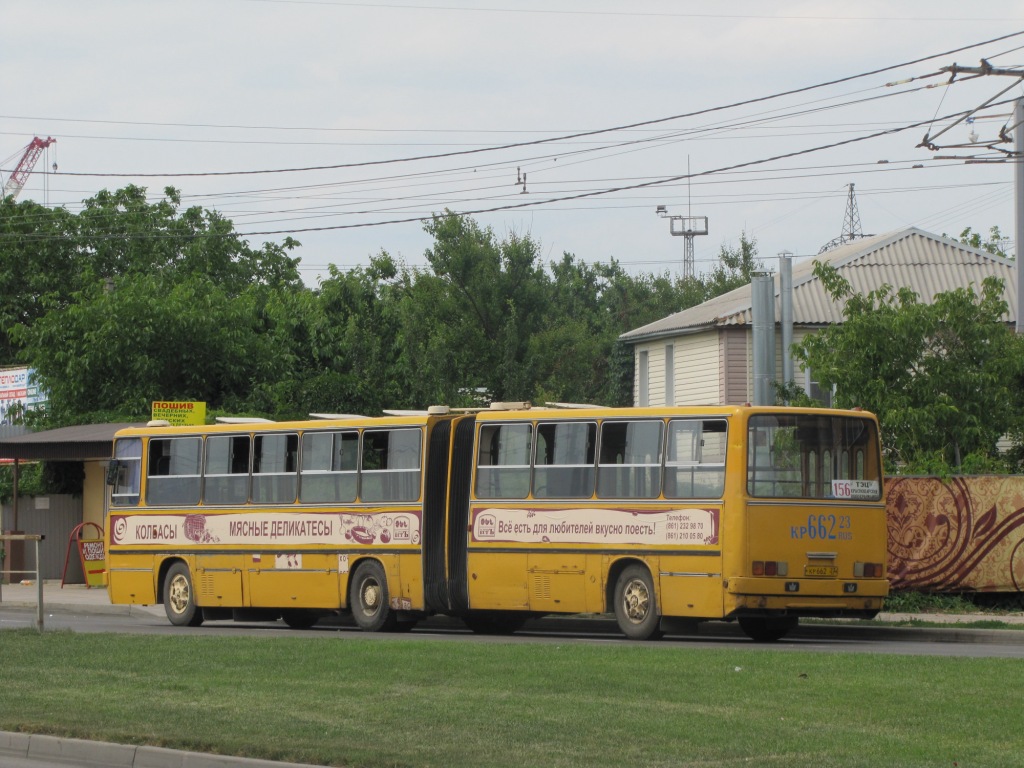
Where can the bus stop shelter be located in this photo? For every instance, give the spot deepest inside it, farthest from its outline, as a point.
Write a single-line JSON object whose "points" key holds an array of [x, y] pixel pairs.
{"points": [[88, 442]]}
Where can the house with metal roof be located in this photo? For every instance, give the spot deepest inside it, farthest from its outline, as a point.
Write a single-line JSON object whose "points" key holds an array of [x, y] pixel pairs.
{"points": [[704, 354]]}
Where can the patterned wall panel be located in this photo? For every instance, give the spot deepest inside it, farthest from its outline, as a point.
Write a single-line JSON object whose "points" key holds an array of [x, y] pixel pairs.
{"points": [[961, 534]]}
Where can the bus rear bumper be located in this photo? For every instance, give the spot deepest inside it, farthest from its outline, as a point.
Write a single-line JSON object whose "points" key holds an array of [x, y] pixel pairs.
{"points": [[854, 598]]}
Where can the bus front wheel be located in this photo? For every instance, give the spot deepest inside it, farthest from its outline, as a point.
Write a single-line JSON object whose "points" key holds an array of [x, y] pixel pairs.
{"points": [[179, 598], [635, 606], [369, 599]]}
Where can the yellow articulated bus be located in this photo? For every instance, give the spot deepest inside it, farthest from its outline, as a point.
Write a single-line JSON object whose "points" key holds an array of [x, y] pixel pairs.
{"points": [[662, 516]]}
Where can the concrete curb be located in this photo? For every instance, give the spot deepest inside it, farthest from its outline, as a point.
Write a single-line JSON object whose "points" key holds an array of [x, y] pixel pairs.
{"points": [[109, 610], [78, 751]]}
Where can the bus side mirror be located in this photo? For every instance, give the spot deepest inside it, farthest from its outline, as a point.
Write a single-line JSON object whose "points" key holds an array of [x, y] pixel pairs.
{"points": [[113, 472]]}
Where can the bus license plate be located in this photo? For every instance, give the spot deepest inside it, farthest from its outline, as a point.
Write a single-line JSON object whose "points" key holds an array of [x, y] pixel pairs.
{"points": [[821, 570]]}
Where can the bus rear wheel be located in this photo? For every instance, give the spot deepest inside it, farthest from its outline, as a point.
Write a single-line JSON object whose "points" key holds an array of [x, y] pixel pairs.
{"points": [[369, 599], [763, 629], [635, 606], [179, 598]]}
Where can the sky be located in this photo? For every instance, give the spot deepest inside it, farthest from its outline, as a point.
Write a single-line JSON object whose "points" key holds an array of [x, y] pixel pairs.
{"points": [[345, 124]]}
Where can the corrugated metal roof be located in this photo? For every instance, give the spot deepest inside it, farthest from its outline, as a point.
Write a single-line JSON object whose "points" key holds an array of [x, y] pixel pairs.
{"points": [[927, 264], [90, 441], [12, 430]]}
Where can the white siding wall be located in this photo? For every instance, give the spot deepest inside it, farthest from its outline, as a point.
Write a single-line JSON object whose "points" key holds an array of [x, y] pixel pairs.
{"points": [[670, 375], [642, 378], [695, 372], [655, 388], [697, 369]]}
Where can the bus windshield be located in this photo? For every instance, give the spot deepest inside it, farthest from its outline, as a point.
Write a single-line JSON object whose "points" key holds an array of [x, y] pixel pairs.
{"points": [[813, 456]]}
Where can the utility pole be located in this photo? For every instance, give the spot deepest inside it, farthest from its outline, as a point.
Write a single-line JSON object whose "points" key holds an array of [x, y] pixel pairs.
{"points": [[1016, 156], [1018, 205]]}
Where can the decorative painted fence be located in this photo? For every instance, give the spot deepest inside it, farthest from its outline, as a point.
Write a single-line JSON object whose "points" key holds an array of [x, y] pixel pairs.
{"points": [[961, 534]]}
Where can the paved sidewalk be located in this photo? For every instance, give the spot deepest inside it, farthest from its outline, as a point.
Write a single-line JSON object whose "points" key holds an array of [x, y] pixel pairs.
{"points": [[71, 597], [54, 750]]}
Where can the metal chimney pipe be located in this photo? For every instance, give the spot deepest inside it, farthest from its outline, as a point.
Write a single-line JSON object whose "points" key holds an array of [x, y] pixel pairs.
{"points": [[786, 311], [763, 315]]}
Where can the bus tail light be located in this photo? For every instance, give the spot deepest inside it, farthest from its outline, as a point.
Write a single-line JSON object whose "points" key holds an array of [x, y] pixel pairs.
{"points": [[868, 570], [770, 568]]}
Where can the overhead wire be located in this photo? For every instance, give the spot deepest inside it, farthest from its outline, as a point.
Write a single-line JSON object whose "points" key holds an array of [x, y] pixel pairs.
{"points": [[757, 119], [761, 119], [538, 142], [631, 13], [663, 182], [588, 194], [642, 185]]}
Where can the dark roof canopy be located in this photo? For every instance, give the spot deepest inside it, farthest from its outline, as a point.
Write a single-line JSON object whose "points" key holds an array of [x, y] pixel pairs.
{"points": [[89, 441]]}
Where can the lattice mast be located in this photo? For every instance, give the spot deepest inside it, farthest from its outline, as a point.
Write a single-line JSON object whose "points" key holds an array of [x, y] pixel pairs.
{"points": [[852, 229]]}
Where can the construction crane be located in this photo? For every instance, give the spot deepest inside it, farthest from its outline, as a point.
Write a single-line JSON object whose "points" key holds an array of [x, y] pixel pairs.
{"points": [[28, 161]]}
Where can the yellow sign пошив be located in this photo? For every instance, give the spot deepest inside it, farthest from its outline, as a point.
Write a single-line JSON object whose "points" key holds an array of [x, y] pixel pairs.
{"points": [[180, 413]]}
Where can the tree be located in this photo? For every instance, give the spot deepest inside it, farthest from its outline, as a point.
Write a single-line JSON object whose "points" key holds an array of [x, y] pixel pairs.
{"points": [[467, 323], [39, 266], [944, 378], [148, 303], [736, 267], [112, 352], [993, 245], [131, 301], [349, 356]]}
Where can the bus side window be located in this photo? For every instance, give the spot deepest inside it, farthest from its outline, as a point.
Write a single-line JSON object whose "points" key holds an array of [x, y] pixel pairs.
{"points": [[630, 463], [226, 478], [564, 465], [172, 476], [695, 464], [127, 475], [330, 463], [274, 468], [391, 465], [503, 461]]}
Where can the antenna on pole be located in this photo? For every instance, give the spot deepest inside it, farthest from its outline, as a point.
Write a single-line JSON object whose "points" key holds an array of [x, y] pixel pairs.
{"points": [[687, 227]]}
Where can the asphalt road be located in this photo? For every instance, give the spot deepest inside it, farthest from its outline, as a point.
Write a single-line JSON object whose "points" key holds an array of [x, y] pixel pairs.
{"points": [[812, 637]]}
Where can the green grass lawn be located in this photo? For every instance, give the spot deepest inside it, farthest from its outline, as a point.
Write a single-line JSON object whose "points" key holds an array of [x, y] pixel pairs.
{"points": [[423, 702]]}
